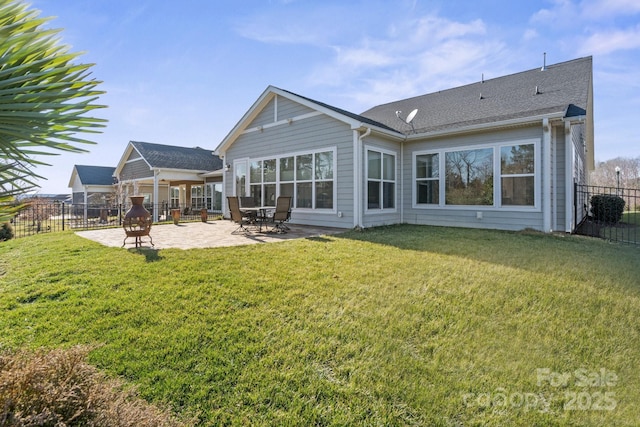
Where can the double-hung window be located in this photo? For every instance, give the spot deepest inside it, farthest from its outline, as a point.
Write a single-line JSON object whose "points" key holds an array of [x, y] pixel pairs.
{"points": [[428, 179], [381, 179], [262, 182], [174, 197], [517, 173], [197, 196]]}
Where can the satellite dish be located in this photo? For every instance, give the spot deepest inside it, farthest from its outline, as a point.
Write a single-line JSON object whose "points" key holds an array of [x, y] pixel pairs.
{"points": [[411, 115]]}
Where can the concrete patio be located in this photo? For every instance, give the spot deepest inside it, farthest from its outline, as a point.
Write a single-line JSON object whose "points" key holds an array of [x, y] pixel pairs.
{"points": [[212, 234]]}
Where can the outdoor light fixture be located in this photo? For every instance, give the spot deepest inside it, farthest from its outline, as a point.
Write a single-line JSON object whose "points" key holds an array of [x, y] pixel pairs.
{"points": [[617, 179], [227, 167]]}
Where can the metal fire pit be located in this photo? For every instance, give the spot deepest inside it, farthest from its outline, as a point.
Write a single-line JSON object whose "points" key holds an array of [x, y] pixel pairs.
{"points": [[137, 222]]}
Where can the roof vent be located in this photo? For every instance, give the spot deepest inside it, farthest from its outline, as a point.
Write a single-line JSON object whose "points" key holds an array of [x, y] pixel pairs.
{"points": [[544, 61], [537, 92]]}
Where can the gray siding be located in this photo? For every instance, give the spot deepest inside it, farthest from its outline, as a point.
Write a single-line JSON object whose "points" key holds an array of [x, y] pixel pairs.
{"points": [[496, 218], [301, 136], [266, 116], [135, 170], [288, 109]]}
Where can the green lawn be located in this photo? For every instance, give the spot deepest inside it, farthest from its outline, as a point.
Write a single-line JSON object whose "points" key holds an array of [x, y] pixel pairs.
{"points": [[626, 231], [404, 325]]}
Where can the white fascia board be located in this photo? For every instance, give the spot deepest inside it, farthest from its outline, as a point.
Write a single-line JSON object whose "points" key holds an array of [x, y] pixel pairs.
{"points": [[219, 172], [74, 173]]}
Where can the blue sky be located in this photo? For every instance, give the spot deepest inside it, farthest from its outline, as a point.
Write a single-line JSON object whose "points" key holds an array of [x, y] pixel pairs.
{"points": [[184, 72]]}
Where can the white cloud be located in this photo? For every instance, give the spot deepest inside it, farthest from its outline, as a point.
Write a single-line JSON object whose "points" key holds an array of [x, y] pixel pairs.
{"points": [[598, 9], [562, 12], [605, 42], [530, 34], [416, 57]]}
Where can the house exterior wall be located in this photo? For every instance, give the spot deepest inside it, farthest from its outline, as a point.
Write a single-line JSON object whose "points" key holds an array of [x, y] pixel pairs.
{"points": [[289, 109], [302, 135], [135, 170], [476, 216]]}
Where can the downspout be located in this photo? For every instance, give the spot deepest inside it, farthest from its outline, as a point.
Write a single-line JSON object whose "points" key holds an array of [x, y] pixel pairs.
{"points": [[357, 176], [547, 184], [401, 180]]}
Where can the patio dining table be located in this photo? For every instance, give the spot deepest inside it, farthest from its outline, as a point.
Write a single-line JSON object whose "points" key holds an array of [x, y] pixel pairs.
{"points": [[261, 214]]}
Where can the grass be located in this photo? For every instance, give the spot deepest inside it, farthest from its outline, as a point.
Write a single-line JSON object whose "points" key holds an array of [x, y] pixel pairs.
{"points": [[626, 231], [405, 325]]}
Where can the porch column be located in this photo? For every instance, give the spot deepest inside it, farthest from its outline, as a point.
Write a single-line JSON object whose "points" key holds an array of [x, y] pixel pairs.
{"points": [[154, 203]]}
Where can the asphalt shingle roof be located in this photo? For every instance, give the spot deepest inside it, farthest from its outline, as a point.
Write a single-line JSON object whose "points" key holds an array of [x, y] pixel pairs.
{"points": [[95, 175], [172, 157], [562, 88]]}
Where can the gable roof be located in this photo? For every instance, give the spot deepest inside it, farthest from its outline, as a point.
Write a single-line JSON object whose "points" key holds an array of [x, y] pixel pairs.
{"points": [[357, 117], [356, 121], [562, 89], [159, 156], [95, 175]]}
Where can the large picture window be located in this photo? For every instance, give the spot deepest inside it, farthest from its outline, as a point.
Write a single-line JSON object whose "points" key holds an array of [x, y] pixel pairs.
{"points": [[307, 177], [469, 177], [381, 180], [503, 175]]}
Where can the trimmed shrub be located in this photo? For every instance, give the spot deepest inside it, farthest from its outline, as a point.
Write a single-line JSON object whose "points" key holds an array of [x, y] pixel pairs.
{"points": [[607, 208], [58, 388], [6, 232]]}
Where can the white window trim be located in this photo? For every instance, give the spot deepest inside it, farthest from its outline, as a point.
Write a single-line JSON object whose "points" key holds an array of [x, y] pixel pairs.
{"points": [[380, 211], [497, 188], [537, 189], [332, 149]]}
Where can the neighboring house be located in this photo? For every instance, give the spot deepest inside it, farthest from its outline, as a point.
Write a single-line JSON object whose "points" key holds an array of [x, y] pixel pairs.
{"points": [[172, 176], [91, 185], [502, 153]]}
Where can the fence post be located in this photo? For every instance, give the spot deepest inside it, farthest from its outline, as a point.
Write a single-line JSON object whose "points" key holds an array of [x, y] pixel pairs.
{"points": [[62, 216]]}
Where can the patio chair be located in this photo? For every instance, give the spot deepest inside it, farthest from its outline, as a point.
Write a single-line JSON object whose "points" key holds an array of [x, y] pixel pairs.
{"points": [[281, 214], [237, 216]]}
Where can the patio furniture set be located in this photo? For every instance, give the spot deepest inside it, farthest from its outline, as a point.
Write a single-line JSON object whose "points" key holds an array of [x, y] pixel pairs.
{"points": [[250, 217]]}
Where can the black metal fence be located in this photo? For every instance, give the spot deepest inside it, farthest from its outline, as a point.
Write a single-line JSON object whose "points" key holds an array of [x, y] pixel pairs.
{"points": [[624, 229], [47, 217]]}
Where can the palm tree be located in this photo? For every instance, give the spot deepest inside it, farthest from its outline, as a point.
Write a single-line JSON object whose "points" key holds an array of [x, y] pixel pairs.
{"points": [[44, 98]]}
